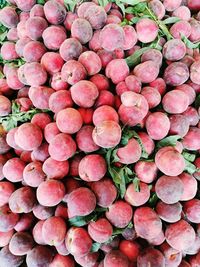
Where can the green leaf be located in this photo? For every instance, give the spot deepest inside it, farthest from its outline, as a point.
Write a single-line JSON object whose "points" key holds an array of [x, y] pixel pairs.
{"points": [[15, 108], [9, 124], [134, 59], [155, 44], [121, 6], [3, 36], [153, 200], [11, 121], [197, 102], [2, 75], [139, 8], [131, 2], [115, 158], [171, 20], [128, 171], [188, 43], [164, 30], [136, 183], [168, 141], [41, 2], [189, 167], [117, 174], [134, 20], [124, 22], [82, 220], [3, 3], [188, 156], [129, 10], [103, 2], [95, 247], [70, 4]]}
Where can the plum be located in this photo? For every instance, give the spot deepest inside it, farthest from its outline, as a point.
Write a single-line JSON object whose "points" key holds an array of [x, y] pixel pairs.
{"points": [[169, 212], [50, 193], [81, 202], [180, 235], [91, 61], [130, 153], [39, 256], [169, 189], [137, 198], [84, 93], [115, 258], [78, 241], [21, 243], [55, 169], [84, 139], [13, 170], [54, 231], [107, 134], [111, 37], [69, 120], [147, 223], [53, 37], [119, 214], [150, 256], [165, 156], [147, 30], [105, 192], [62, 147], [8, 259], [22, 200], [28, 136], [54, 12], [81, 29], [117, 70], [33, 174], [8, 219], [100, 230]]}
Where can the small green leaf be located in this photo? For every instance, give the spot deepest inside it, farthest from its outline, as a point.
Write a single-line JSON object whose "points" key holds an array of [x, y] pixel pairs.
{"points": [[140, 8], [188, 43], [131, 2], [70, 4], [2, 75], [117, 174], [189, 167], [103, 2], [134, 59], [41, 2], [188, 156], [9, 124], [3, 36], [15, 108], [115, 158], [168, 141], [153, 200], [121, 6], [136, 183], [128, 171], [134, 20], [129, 10], [95, 247], [171, 20], [3, 3], [124, 22], [11, 121], [197, 102], [82, 220], [130, 225]]}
